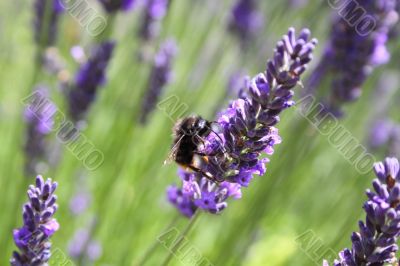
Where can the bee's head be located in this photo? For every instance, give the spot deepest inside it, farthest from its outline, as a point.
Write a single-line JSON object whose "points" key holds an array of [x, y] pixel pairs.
{"points": [[203, 127], [194, 125]]}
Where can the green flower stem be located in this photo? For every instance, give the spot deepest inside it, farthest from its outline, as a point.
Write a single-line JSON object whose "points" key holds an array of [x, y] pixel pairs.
{"points": [[176, 246], [147, 254]]}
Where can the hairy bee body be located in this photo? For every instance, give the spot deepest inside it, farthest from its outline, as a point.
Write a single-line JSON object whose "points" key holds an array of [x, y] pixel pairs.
{"points": [[188, 134]]}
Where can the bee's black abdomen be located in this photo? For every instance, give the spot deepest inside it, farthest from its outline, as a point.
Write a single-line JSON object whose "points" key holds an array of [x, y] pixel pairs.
{"points": [[186, 151]]}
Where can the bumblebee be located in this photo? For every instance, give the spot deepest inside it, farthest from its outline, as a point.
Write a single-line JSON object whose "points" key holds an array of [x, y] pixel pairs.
{"points": [[188, 134]]}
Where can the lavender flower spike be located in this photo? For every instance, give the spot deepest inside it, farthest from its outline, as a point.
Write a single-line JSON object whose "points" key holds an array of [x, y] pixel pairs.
{"points": [[112, 6], [375, 243], [39, 125], [246, 131], [161, 75], [245, 21], [45, 32], [33, 239], [352, 51], [89, 78], [155, 11]]}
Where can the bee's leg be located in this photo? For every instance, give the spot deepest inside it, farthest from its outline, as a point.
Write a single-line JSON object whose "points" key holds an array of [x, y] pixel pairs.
{"points": [[205, 155], [207, 175], [198, 170], [201, 139]]}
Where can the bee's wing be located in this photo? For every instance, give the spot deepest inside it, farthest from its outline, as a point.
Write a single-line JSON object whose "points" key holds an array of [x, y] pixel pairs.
{"points": [[173, 151]]}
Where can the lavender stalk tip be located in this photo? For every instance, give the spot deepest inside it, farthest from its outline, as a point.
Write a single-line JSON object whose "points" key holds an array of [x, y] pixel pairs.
{"points": [[376, 241], [246, 131], [33, 238]]}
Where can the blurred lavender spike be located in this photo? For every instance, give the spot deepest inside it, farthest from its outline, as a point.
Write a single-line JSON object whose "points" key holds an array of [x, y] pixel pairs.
{"points": [[295, 4], [80, 202], [112, 6], [380, 133], [83, 247], [375, 243], [45, 33], [155, 11], [236, 88], [246, 131], [160, 76], [385, 92], [33, 239], [351, 54], [82, 197], [382, 128], [245, 20], [394, 147], [395, 31], [385, 135], [39, 124], [89, 78]]}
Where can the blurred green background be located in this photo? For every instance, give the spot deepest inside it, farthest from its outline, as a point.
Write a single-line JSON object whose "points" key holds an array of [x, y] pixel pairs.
{"points": [[308, 187]]}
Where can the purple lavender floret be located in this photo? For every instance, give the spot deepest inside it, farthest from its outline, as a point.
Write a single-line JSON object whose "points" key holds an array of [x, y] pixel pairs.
{"points": [[48, 37], [375, 243], [245, 20], [353, 51], [112, 6], [198, 192], [89, 78], [155, 11], [33, 239], [246, 131], [39, 124], [160, 76]]}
